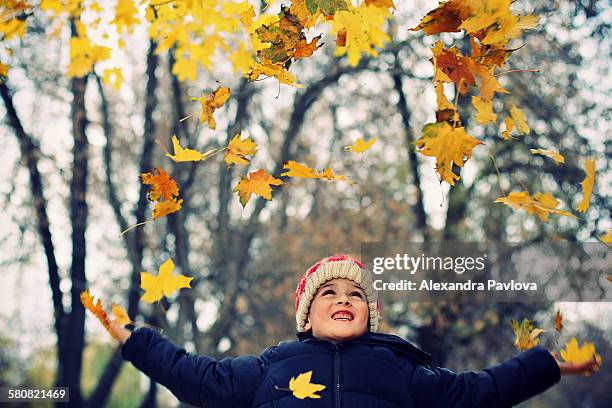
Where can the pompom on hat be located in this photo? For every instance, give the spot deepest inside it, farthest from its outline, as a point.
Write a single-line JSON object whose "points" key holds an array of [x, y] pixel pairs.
{"points": [[334, 267]]}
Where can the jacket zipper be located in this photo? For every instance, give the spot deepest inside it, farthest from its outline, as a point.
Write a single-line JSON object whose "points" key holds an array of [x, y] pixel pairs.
{"points": [[337, 376]]}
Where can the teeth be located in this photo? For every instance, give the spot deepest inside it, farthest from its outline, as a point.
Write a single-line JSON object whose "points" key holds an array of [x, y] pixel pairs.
{"points": [[342, 316]]}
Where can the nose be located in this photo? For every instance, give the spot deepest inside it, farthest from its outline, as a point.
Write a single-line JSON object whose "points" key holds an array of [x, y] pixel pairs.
{"points": [[345, 301]]}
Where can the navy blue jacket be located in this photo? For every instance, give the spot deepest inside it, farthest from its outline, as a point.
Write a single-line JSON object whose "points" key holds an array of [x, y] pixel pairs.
{"points": [[376, 370]]}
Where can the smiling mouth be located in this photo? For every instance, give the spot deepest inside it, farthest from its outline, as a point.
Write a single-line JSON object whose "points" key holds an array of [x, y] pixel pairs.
{"points": [[342, 316]]}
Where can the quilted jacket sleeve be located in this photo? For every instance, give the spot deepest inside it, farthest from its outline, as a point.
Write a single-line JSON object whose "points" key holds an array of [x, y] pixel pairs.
{"points": [[504, 385], [197, 380]]}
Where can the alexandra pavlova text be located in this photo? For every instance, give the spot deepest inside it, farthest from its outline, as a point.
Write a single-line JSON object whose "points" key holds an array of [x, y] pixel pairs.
{"points": [[434, 286]]}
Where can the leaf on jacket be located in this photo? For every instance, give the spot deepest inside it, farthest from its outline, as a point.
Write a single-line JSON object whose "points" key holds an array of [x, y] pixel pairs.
{"points": [[258, 183], [237, 150], [541, 204], [556, 156], [164, 284], [185, 155], [558, 321], [360, 146], [526, 335], [303, 388], [209, 103], [587, 185], [573, 353]]}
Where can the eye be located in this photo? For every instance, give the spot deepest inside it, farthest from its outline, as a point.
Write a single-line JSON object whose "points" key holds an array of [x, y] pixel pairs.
{"points": [[358, 294], [327, 292]]}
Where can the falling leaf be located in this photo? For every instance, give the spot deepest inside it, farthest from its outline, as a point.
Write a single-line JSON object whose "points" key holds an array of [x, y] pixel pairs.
{"points": [[238, 149], [446, 18], [484, 110], [295, 169], [96, 307], [258, 183], [526, 335], [509, 123], [185, 155], [558, 321], [209, 103], [303, 388], [328, 7], [163, 208], [556, 156], [328, 174], [114, 77], [121, 316], [587, 185], [360, 146], [573, 353], [457, 67], [540, 204], [518, 116], [162, 185], [305, 49], [607, 237], [164, 284], [449, 146]]}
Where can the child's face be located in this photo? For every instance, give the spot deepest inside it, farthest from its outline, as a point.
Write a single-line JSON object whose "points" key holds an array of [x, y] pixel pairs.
{"points": [[333, 297]]}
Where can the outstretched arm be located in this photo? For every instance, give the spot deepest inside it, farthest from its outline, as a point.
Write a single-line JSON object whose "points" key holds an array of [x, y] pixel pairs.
{"points": [[198, 380], [517, 379]]}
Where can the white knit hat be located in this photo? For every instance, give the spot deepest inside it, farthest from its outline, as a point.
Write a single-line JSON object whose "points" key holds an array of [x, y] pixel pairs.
{"points": [[333, 267]]}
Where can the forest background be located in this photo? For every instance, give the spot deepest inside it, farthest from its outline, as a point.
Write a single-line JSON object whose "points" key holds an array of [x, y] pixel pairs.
{"points": [[246, 260]]}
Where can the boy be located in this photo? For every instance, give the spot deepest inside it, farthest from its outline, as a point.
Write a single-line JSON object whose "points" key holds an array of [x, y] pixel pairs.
{"points": [[337, 315]]}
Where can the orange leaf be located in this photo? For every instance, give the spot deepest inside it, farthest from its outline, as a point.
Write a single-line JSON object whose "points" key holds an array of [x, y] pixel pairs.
{"points": [[304, 49], [95, 306], [163, 208], [558, 321], [162, 185], [446, 18], [258, 183]]}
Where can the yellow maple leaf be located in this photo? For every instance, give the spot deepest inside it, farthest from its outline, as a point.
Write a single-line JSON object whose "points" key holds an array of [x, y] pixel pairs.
{"points": [[277, 71], [607, 237], [360, 146], [163, 208], [575, 354], [556, 156], [526, 335], [518, 116], [237, 150], [449, 146], [121, 315], [587, 185], [540, 204], [126, 16], [258, 183], [295, 169], [185, 155], [303, 388], [83, 56], [164, 284], [484, 110], [209, 103]]}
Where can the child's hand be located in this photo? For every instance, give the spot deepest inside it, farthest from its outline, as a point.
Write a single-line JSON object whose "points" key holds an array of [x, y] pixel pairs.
{"points": [[120, 332], [587, 368]]}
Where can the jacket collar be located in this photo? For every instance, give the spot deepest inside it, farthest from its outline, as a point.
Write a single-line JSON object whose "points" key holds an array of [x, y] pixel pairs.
{"points": [[395, 343]]}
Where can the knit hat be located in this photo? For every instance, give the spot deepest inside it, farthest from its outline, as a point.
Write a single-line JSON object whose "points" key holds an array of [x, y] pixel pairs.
{"points": [[332, 267]]}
